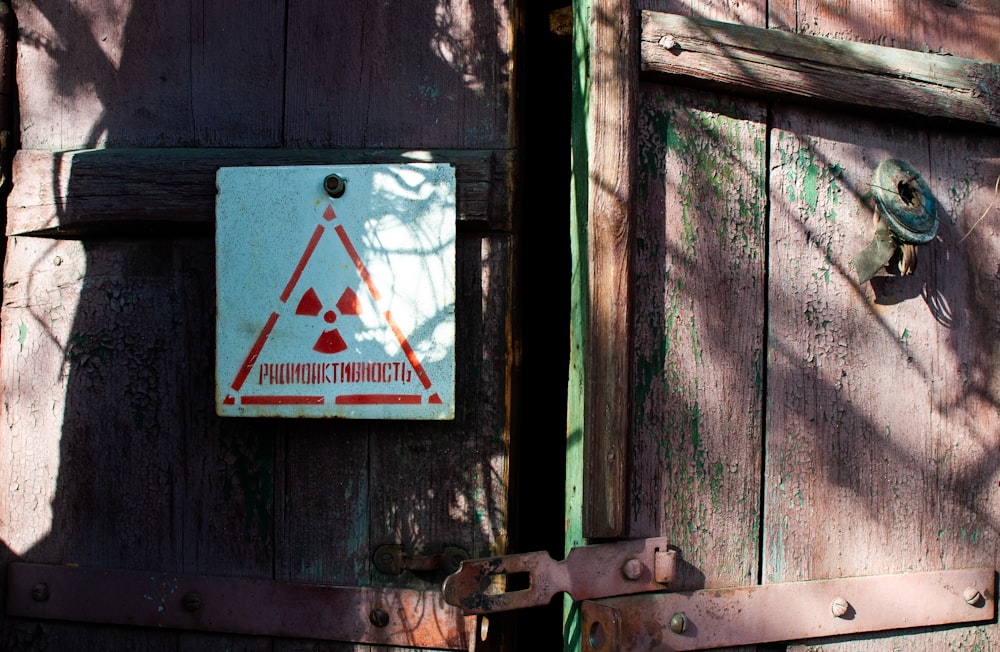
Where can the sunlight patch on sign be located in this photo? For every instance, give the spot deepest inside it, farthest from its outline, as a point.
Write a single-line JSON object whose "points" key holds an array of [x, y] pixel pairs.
{"points": [[336, 307]]}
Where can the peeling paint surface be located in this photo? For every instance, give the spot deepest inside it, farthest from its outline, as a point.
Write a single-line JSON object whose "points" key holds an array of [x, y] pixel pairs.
{"points": [[700, 271]]}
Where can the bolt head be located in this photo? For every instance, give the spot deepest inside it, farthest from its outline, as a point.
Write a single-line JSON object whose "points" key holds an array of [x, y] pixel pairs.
{"points": [[839, 607], [972, 596], [378, 617], [678, 623], [191, 601], [40, 592], [632, 569]]}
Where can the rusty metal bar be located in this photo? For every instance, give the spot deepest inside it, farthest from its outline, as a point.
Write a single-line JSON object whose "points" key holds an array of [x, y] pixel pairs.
{"points": [[399, 617], [788, 611], [620, 568]]}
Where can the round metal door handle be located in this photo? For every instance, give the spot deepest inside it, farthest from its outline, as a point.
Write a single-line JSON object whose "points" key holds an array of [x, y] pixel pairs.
{"points": [[905, 216], [905, 200]]}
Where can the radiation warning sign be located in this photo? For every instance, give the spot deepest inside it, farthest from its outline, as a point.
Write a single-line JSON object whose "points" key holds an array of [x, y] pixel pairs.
{"points": [[336, 291]]}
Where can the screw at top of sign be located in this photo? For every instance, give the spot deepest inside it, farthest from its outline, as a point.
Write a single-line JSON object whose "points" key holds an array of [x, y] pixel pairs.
{"points": [[334, 185]]}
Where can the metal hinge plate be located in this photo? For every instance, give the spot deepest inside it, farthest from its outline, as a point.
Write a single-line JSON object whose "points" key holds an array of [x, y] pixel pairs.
{"points": [[620, 568], [788, 611], [399, 617]]}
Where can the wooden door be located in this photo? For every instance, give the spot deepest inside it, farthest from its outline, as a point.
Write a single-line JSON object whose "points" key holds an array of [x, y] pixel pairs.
{"points": [[741, 392], [113, 456]]}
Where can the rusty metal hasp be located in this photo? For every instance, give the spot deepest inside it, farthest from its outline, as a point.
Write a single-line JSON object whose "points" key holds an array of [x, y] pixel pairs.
{"points": [[402, 617], [603, 570], [788, 611]]}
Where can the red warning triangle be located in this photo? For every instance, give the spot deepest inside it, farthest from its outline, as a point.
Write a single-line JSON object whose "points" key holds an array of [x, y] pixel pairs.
{"points": [[331, 342]]}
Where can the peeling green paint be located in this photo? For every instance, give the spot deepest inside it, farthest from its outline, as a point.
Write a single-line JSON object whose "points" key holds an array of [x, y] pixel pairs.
{"points": [[22, 335]]}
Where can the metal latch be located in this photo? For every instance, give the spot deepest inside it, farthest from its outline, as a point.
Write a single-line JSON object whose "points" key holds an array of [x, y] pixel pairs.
{"points": [[398, 617], [391, 559], [788, 611], [602, 570]]}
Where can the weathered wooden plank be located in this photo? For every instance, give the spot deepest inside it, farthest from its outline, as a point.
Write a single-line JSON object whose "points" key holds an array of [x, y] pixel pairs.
{"points": [[744, 13], [365, 74], [882, 399], [254, 497], [964, 29], [93, 451], [142, 190], [122, 73], [699, 333], [776, 63], [611, 157]]}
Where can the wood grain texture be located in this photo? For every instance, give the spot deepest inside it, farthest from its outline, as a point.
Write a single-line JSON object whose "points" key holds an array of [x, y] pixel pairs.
{"points": [[611, 144], [882, 441], [827, 71], [124, 466], [124, 73], [732, 11], [224, 74], [147, 189], [966, 28], [364, 74], [116, 458], [700, 293]]}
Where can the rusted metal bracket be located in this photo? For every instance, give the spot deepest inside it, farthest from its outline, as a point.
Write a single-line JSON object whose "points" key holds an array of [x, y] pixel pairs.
{"points": [[789, 611], [398, 617], [603, 570]]}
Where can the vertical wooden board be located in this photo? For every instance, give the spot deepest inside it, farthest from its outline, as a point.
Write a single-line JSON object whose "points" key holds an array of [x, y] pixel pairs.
{"points": [[237, 73], [90, 472], [966, 29], [847, 400], [699, 330], [322, 520], [127, 73], [880, 449], [228, 512], [115, 457], [323, 510], [610, 145], [363, 74]]}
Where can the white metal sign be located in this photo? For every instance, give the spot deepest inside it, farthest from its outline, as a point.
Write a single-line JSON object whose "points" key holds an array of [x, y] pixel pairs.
{"points": [[336, 306]]}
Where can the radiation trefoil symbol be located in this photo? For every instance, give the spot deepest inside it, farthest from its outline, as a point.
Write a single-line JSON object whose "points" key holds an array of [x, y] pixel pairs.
{"points": [[337, 339]]}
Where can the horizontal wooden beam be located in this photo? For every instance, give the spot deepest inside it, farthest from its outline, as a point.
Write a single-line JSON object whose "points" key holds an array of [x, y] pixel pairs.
{"points": [[115, 191], [775, 63]]}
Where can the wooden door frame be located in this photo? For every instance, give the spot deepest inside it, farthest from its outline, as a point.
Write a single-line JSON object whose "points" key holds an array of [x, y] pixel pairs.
{"points": [[921, 85], [605, 122]]}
